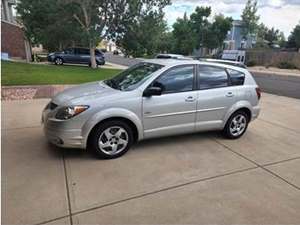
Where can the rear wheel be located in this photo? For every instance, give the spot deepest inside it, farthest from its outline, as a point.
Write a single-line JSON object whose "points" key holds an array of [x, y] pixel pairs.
{"points": [[58, 61], [236, 125], [111, 139]]}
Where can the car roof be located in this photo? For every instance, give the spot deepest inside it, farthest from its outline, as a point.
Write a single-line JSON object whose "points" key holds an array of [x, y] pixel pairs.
{"points": [[178, 62], [222, 61]]}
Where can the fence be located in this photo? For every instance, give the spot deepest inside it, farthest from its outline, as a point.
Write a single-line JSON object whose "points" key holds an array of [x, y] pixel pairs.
{"points": [[272, 58]]}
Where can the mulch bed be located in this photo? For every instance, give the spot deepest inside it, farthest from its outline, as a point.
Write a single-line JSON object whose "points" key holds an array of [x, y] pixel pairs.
{"points": [[9, 93]]}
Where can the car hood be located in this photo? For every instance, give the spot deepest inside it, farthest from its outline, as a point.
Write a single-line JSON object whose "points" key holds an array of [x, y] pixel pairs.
{"points": [[84, 92]]}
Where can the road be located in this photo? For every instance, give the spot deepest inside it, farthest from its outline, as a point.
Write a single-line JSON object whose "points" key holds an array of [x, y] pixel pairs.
{"points": [[288, 86]]}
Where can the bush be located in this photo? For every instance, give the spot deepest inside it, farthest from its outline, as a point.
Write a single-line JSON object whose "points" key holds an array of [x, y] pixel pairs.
{"points": [[286, 65], [251, 63]]}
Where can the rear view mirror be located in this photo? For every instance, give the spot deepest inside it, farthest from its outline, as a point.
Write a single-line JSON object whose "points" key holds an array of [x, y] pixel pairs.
{"points": [[152, 91]]}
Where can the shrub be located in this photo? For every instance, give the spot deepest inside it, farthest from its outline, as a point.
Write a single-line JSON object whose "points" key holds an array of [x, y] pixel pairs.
{"points": [[251, 63], [286, 65]]}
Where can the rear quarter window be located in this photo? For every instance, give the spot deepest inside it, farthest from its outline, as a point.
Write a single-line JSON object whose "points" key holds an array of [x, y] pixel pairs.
{"points": [[236, 77]]}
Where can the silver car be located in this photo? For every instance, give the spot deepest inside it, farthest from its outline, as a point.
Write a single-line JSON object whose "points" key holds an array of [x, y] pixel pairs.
{"points": [[154, 98]]}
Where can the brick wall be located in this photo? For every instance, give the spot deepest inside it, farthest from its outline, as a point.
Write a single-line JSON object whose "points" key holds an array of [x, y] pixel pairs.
{"points": [[12, 40]]}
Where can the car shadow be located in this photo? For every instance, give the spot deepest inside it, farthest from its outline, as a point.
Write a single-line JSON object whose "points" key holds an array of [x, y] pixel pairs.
{"points": [[144, 145]]}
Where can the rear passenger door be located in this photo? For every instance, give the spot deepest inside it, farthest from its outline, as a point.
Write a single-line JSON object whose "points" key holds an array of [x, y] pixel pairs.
{"points": [[215, 96]]}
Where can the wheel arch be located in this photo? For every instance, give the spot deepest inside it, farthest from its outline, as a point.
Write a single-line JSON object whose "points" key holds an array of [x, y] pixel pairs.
{"points": [[59, 57], [114, 114], [240, 106]]}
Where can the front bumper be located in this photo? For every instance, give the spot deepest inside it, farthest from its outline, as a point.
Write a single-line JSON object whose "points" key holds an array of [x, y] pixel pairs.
{"points": [[64, 138], [59, 133], [50, 58]]}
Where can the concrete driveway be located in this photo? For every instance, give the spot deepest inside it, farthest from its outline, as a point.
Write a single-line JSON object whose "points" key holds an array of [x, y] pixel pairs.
{"points": [[191, 179]]}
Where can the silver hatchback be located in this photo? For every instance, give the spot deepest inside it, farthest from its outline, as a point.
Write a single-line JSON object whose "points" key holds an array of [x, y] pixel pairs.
{"points": [[152, 99]]}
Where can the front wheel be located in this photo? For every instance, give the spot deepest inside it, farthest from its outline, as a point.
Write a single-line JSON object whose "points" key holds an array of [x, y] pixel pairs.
{"points": [[58, 61], [111, 139], [236, 125]]}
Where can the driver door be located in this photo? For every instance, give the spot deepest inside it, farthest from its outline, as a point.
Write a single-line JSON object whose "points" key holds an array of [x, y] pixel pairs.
{"points": [[174, 111]]}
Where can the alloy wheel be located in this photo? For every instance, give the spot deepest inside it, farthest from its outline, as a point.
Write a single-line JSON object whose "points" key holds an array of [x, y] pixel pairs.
{"points": [[113, 140], [238, 125], [58, 61]]}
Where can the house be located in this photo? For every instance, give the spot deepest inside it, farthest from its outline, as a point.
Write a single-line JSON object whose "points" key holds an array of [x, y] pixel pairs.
{"points": [[235, 39], [14, 44]]}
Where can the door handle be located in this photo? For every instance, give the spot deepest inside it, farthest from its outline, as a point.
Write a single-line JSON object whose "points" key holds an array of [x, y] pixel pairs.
{"points": [[229, 94], [190, 99]]}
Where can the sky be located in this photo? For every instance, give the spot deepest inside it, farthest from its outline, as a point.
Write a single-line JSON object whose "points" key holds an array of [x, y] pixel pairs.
{"points": [[281, 14]]}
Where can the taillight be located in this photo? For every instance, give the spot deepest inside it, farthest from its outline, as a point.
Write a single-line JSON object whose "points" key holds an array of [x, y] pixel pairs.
{"points": [[258, 92]]}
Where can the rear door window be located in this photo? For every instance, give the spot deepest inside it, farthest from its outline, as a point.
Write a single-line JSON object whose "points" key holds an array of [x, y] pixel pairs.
{"points": [[211, 77], [83, 51], [69, 51]]}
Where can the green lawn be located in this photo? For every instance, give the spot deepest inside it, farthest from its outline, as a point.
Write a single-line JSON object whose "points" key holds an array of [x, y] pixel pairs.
{"points": [[17, 73]]}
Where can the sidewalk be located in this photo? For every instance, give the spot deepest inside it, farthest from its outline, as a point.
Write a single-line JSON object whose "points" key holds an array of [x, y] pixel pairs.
{"points": [[274, 71]]}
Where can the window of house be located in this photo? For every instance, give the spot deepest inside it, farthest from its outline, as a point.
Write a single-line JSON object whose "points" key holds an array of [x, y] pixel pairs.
{"points": [[212, 77]]}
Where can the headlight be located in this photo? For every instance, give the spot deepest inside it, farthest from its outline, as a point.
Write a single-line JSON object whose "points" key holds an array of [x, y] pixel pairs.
{"points": [[68, 112]]}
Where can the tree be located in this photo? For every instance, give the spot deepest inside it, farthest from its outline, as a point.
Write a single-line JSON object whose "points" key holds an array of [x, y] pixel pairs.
{"points": [[88, 21], [143, 37], [281, 40], [48, 23], [183, 36], [294, 38], [217, 32], [267, 37], [101, 18], [250, 18], [166, 44], [200, 24], [272, 36]]}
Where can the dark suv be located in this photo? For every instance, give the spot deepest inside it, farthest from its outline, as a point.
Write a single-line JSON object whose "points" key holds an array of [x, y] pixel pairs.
{"points": [[76, 56]]}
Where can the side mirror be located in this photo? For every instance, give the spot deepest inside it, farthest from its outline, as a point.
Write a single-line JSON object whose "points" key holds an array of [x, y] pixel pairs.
{"points": [[152, 91]]}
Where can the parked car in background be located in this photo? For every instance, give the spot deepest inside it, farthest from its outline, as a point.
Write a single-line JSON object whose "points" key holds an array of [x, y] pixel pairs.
{"points": [[154, 98], [116, 52], [76, 56], [234, 55]]}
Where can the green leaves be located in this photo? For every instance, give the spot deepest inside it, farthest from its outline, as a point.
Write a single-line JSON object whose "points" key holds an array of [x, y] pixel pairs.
{"points": [[250, 18], [294, 38], [197, 31]]}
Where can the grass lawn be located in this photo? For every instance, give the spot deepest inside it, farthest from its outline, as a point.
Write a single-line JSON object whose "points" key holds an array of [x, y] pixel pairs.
{"points": [[17, 73]]}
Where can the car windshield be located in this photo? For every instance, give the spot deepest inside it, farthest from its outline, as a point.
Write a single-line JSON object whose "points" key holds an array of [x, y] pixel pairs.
{"points": [[133, 77]]}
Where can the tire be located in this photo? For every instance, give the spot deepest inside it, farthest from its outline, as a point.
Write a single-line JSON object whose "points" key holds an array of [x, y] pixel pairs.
{"points": [[116, 138], [58, 61], [236, 125]]}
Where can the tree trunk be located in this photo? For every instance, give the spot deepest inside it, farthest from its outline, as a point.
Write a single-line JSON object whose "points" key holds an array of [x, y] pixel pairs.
{"points": [[92, 56]]}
